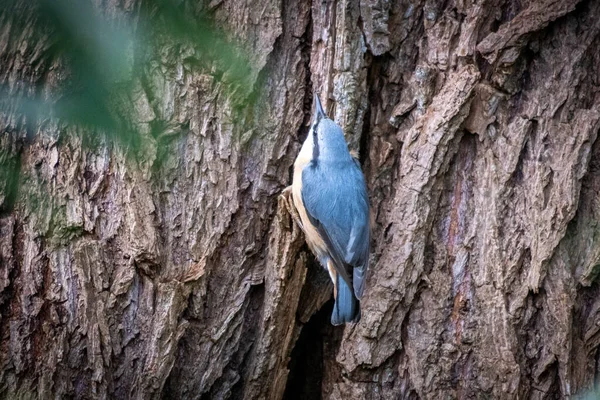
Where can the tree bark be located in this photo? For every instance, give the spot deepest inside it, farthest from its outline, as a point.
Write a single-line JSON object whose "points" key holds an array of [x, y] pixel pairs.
{"points": [[180, 273]]}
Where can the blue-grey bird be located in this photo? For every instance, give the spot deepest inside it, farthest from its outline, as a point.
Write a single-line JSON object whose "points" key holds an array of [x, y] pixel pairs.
{"points": [[330, 194]]}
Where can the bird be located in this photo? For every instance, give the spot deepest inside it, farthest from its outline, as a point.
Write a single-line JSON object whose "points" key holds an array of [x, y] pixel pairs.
{"points": [[330, 196]]}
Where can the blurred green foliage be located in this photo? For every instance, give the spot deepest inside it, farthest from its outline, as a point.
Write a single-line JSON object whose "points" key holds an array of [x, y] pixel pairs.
{"points": [[593, 394], [102, 57]]}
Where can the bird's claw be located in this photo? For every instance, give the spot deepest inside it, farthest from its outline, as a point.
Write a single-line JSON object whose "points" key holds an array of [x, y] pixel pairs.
{"points": [[288, 202]]}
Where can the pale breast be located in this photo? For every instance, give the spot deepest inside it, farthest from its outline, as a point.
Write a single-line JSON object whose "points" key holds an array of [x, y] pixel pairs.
{"points": [[313, 238]]}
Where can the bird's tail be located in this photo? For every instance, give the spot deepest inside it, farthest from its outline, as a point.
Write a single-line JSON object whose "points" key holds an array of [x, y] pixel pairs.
{"points": [[347, 306]]}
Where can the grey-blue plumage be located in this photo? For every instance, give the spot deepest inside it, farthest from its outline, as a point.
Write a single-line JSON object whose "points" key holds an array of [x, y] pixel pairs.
{"points": [[334, 209], [335, 198]]}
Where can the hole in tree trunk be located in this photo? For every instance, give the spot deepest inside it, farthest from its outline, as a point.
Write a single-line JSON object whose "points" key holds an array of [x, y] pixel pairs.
{"points": [[306, 363]]}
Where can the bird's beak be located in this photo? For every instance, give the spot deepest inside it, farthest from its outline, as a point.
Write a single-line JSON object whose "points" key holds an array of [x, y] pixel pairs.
{"points": [[319, 113]]}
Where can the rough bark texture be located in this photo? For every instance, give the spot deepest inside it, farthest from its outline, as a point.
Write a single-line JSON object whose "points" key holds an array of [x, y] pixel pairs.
{"points": [[181, 275]]}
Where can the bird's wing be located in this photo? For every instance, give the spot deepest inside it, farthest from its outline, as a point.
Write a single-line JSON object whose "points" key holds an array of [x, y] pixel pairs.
{"points": [[337, 205]]}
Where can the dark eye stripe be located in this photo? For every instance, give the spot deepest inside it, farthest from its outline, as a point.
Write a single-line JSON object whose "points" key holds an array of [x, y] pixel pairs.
{"points": [[315, 155]]}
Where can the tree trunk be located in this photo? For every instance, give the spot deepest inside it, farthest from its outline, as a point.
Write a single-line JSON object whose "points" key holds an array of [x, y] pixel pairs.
{"points": [[180, 274]]}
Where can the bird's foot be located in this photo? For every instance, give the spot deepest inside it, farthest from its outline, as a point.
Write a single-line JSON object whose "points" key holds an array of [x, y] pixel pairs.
{"points": [[288, 202]]}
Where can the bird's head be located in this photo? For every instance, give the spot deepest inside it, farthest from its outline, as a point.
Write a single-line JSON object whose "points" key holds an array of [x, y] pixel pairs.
{"points": [[326, 138]]}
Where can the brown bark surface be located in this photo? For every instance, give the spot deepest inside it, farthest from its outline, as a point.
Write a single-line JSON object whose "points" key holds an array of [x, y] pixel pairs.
{"points": [[179, 273]]}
